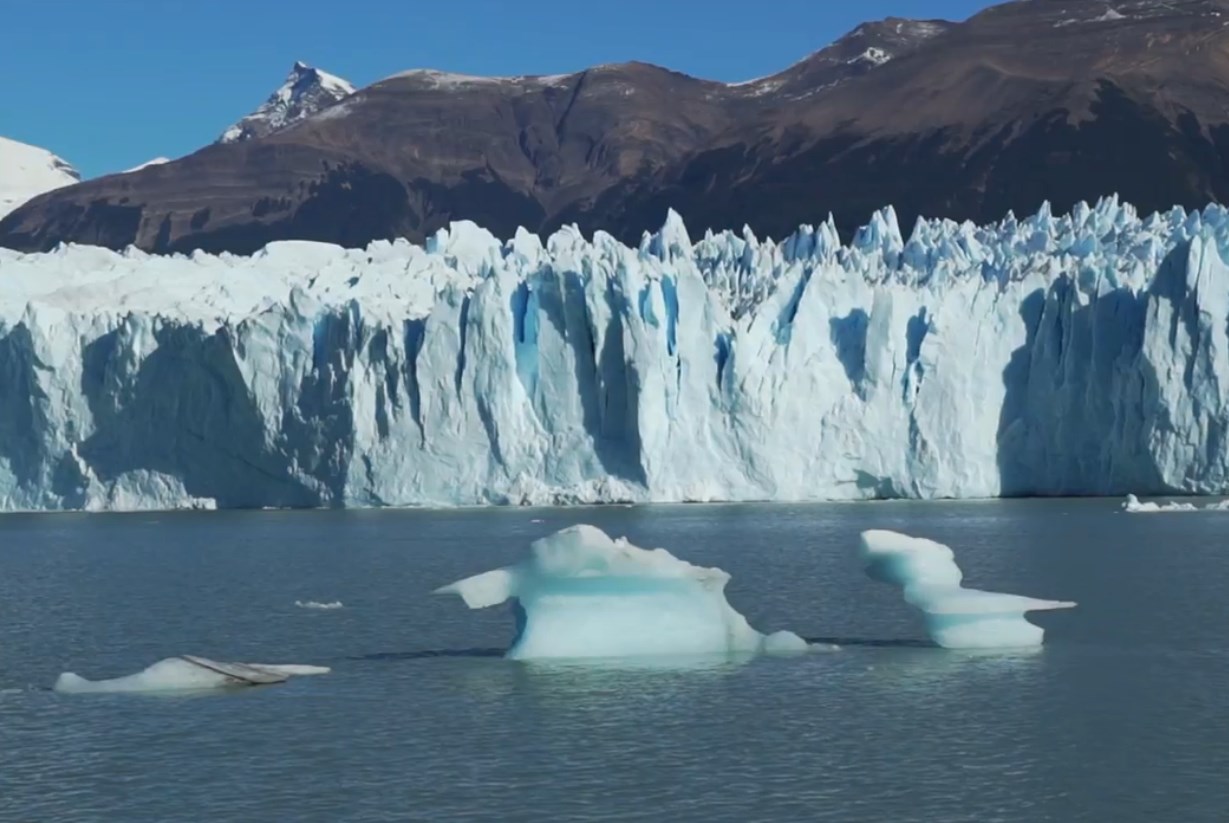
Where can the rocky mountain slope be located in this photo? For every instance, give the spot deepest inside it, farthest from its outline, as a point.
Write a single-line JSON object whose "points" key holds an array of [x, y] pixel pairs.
{"points": [[1060, 100], [306, 91]]}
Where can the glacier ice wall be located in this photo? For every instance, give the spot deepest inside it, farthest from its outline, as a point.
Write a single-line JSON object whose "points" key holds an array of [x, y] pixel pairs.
{"points": [[956, 617], [1077, 354], [581, 594]]}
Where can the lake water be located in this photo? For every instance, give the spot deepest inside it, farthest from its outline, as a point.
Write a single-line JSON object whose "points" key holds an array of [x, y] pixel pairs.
{"points": [[1122, 715]]}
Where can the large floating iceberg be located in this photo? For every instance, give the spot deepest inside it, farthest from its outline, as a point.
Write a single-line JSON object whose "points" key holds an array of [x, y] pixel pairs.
{"points": [[956, 617], [1081, 354], [581, 594]]}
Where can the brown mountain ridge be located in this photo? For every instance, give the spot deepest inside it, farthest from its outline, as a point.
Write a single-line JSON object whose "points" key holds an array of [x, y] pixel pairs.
{"points": [[1033, 100]]}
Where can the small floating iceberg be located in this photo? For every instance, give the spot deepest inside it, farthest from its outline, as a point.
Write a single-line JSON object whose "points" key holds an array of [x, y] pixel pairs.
{"points": [[581, 594], [319, 606], [188, 673], [956, 617], [1133, 505]]}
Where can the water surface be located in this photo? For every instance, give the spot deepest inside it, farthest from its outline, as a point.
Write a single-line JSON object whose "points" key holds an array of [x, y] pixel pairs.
{"points": [[1122, 716]]}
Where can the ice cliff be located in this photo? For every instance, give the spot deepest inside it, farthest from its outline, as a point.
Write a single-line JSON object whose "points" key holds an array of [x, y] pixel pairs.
{"points": [[1077, 354]]}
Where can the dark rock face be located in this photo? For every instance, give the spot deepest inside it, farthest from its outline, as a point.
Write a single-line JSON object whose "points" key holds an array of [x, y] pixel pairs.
{"points": [[307, 91], [1029, 101]]}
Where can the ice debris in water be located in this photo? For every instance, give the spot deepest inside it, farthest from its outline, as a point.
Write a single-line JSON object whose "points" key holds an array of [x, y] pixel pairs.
{"points": [[188, 673], [956, 617], [1133, 505], [313, 604], [581, 594]]}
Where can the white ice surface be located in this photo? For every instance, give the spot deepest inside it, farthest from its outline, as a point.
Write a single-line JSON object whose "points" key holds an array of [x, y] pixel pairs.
{"points": [[1133, 505], [581, 594], [291, 669], [1081, 354], [180, 674], [956, 617], [314, 604]]}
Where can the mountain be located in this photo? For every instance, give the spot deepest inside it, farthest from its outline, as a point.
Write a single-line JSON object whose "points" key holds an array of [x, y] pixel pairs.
{"points": [[863, 49], [26, 171], [1059, 100], [1029, 101], [305, 92], [409, 153], [479, 371]]}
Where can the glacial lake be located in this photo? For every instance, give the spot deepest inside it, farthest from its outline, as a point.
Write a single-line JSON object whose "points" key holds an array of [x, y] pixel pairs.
{"points": [[1122, 715]]}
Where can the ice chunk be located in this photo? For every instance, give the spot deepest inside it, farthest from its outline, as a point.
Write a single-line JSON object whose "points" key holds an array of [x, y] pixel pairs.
{"points": [[784, 643], [581, 594], [1133, 505], [956, 617], [314, 604], [187, 673], [290, 669]]}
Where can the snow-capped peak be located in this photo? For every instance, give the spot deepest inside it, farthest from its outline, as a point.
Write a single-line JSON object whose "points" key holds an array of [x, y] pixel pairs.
{"points": [[27, 171], [306, 91]]}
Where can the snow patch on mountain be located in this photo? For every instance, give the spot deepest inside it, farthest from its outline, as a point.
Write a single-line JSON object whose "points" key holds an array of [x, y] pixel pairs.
{"points": [[306, 91], [451, 80], [874, 55], [157, 161], [864, 48], [27, 171]]}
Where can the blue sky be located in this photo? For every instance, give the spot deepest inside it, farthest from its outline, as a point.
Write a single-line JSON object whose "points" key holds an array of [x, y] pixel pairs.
{"points": [[108, 84]]}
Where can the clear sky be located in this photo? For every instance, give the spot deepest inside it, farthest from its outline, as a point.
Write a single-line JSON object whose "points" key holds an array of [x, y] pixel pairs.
{"points": [[108, 84]]}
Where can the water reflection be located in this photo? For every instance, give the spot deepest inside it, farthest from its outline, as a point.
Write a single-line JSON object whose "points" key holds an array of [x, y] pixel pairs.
{"points": [[935, 669]]}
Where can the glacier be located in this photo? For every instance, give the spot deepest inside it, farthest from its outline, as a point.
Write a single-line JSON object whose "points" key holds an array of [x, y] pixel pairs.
{"points": [[1077, 354], [581, 594], [956, 617]]}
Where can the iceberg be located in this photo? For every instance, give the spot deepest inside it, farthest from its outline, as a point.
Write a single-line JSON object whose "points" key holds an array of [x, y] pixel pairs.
{"points": [[581, 594], [956, 617], [1133, 505], [541, 371], [187, 673]]}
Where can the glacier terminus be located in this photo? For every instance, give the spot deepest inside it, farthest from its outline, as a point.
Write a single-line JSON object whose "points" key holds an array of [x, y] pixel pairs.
{"points": [[1051, 355]]}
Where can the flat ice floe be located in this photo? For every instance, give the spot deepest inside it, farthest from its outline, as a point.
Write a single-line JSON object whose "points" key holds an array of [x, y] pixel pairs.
{"points": [[319, 606], [581, 594], [956, 617], [188, 673], [1133, 505]]}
